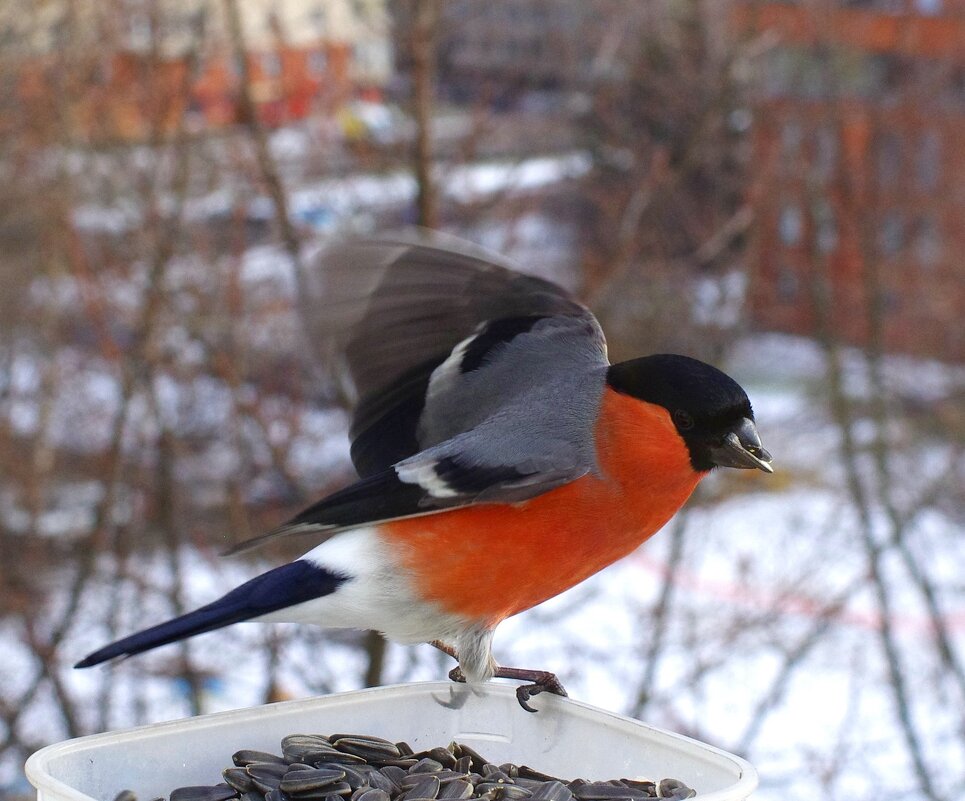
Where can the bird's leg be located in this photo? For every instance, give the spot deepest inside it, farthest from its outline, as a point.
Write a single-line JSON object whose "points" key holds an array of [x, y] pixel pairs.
{"points": [[446, 649], [541, 681], [456, 673]]}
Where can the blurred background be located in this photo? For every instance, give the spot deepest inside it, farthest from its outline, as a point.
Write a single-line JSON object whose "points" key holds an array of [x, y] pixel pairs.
{"points": [[777, 187]]}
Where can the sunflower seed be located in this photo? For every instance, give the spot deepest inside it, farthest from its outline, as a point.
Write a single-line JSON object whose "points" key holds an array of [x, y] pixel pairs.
{"points": [[267, 769], [441, 755], [377, 780], [526, 772], [373, 749], [403, 762], [674, 789], [445, 775], [305, 781], [424, 790], [495, 774], [237, 778], [246, 757], [357, 775], [426, 765], [599, 791], [217, 792], [476, 761], [650, 788], [372, 794], [512, 792], [307, 748], [552, 791], [456, 790], [266, 776]]}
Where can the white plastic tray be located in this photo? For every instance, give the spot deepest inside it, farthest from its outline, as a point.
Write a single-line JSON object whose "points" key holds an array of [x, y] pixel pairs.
{"points": [[565, 738]]}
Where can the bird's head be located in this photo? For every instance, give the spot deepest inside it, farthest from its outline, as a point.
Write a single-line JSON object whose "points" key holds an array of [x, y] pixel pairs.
{"points": [[710, 410]]}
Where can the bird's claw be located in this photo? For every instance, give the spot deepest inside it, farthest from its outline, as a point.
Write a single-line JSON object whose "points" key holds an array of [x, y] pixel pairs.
{"points": [[541, 681], [545, 683]]}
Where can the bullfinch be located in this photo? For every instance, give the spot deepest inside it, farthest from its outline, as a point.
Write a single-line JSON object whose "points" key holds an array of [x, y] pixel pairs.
{"points": [[501, 458]]}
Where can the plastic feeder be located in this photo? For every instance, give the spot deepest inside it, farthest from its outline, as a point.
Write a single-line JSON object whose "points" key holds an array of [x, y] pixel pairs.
{"points": [[565, 738]]}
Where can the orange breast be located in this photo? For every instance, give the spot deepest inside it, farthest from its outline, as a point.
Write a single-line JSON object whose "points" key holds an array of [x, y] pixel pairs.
{"points": [[491, 561]]}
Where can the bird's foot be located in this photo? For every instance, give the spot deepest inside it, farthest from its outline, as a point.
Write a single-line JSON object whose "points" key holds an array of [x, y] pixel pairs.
{"points": [[541, 681]]}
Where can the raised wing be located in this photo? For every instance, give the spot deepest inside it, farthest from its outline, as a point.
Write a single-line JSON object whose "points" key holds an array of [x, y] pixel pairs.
{"points": [[475, 383], [395, 308]]}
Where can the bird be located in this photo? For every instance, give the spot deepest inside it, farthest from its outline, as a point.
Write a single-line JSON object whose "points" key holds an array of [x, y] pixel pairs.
{"points": [[501, 458]]}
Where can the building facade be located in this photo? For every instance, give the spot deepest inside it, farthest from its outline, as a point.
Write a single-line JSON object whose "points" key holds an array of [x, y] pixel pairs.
{"points": [[859, 172], [125, 68]]}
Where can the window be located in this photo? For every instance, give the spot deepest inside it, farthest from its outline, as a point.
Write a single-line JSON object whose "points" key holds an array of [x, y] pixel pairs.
{"points": [[318, 18], [788, 284], [928, 161], [825, 227], [271, 64], [927, 246], [891, 234], [825, 152], [317, 62], [928, 7], [894, 72], [790, 225], [791, 140], [777, 72], [791, 136], [892, 6], [888, 159], [140, 31]]}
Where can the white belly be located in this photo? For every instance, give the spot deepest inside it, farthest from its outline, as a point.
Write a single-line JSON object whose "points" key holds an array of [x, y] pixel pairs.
{"points": [[374, 596]]}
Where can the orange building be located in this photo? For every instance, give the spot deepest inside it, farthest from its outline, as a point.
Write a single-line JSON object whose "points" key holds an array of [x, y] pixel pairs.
{"points": [[859, 159], [117, 69]]}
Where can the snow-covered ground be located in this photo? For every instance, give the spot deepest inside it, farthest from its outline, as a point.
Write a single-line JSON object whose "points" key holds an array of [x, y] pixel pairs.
{"points": [[324, 202]]}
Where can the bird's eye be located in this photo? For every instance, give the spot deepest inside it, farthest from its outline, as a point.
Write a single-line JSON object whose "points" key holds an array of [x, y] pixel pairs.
{"points": [[683, 420]]}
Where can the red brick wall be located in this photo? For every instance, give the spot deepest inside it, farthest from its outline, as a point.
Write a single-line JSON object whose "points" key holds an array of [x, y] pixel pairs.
{"points": [[864, 191]]}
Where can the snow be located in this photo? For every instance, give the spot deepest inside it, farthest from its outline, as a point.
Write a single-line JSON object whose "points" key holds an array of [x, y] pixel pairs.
{"points": [[323, 202]]}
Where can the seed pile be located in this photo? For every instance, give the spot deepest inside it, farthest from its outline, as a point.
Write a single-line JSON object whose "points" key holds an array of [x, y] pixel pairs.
{"points": [[352, 767]]}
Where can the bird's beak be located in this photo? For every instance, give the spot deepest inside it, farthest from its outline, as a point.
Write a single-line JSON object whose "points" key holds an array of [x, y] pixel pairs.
{"points": [[742, 448]]}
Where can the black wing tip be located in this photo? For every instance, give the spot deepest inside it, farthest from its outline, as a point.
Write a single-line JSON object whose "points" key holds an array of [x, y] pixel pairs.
{"points": [[292, 527], [377, 497]]}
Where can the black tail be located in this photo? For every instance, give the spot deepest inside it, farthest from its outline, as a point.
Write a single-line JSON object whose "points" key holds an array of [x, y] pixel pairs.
{"points": [[282, 587]]}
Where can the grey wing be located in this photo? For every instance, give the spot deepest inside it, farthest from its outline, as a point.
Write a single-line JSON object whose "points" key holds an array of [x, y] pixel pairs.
{"points": [[394, 308]]}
